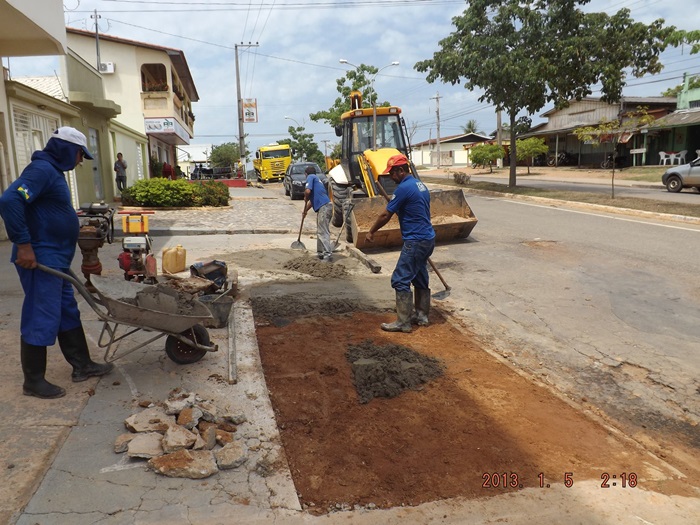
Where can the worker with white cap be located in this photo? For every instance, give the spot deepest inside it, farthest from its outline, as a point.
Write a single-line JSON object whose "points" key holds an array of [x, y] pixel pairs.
{"points": [[43, 226]]}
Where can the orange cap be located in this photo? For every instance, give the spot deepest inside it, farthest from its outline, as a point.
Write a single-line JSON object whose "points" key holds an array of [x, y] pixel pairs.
{"points": [[395, 160]]}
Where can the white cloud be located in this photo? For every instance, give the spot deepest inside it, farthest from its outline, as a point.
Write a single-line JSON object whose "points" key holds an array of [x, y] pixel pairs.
{"points": [[293, 72]]}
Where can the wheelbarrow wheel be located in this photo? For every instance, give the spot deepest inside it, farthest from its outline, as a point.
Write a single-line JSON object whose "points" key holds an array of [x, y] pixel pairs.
{"points": [[184, 354]]}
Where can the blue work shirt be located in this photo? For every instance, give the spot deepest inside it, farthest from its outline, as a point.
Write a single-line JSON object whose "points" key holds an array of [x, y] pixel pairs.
{"points": [[37, 206], [411, 202], [319, 195]]}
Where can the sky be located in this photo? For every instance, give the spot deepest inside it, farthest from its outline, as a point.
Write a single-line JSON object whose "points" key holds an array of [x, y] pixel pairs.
{"points": [[292, 71]]}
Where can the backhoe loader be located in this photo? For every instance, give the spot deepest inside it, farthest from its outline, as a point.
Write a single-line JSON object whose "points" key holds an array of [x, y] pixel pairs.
{"points": [[369, 137]]}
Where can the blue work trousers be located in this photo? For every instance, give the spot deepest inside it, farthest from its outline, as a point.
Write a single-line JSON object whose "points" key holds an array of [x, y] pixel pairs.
{"points": [[412, 266], [49, 307]]}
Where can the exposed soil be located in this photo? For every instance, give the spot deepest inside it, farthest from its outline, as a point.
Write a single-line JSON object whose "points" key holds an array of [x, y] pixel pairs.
{"points": [[480, 429]]}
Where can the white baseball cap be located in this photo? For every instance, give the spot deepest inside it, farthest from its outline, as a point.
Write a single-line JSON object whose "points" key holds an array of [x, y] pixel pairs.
{"points": [[73, 136]]}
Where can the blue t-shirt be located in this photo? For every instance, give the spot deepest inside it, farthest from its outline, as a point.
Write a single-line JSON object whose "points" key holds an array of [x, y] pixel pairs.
{"points": [[319, 195], [411, 202]]}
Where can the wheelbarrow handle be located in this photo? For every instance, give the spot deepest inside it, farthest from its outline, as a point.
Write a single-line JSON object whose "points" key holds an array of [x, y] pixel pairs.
{"points": [[73, 279]]}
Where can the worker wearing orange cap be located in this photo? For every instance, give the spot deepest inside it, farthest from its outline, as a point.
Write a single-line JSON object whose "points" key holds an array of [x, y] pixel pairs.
{"points": [[411, 202]]}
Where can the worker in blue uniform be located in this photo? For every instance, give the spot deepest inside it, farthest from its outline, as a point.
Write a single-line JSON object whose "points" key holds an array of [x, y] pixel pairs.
{"points": [[411, 202], [43, 226]]}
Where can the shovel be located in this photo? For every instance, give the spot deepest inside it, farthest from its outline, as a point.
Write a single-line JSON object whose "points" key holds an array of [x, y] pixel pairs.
{"points": [[298, 245], [342, 227]]}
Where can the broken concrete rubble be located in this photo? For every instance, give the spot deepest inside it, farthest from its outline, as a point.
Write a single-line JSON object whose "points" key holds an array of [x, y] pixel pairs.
{"points": [[180, 437], [194, 464]]}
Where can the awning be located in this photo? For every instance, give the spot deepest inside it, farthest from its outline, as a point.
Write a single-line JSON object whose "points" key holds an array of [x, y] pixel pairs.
{"points": [[32, 28]]}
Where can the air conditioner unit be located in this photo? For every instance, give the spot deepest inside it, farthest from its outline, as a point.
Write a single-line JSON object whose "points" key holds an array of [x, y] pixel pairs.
{"points": [[107, 68]]}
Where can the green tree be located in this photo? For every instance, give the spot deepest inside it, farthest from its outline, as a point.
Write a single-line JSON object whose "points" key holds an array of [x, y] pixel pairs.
{"points": [[303, 146], [471, 127], [526, 53], [354, 80], [486, 154], [226, 154], [530, 148], [679, 37], [611, 131], [693, 83]]}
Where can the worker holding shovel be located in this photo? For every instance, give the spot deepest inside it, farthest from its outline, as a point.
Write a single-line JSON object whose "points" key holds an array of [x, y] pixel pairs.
{"points": [[316, 195], [411, 202]]}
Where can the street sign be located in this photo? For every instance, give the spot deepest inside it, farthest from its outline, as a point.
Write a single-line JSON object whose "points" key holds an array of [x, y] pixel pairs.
{"points": [[638, 150]]}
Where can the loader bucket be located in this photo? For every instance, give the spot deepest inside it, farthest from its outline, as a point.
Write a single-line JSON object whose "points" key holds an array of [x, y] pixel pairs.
{"points": [[451, 216]]}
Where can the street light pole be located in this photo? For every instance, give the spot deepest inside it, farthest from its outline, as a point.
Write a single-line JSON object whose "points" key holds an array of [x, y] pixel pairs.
{"points": [[293, 120], [374, 98], [374, 106], [298, 128], [241, 136]]}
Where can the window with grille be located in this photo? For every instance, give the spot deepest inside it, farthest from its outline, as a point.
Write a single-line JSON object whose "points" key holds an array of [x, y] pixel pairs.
{"points": [[31, 131]]}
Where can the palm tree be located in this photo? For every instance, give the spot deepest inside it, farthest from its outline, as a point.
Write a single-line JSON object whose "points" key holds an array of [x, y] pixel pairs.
{"points": [[471, 127]]}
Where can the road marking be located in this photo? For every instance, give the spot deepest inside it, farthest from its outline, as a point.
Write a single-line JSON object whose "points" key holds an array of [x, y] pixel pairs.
{"points": [[598, 215]]}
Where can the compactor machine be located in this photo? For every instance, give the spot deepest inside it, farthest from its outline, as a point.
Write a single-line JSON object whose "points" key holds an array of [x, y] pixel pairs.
{"points": [[369, 137]]}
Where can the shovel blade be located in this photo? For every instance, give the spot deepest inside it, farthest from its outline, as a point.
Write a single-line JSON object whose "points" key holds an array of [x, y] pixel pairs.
{"points": [[439, 296], [298, 245]]}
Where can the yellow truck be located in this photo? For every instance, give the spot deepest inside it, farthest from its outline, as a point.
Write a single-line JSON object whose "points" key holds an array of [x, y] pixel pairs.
{"points": [[369, 137], [271, 161]]}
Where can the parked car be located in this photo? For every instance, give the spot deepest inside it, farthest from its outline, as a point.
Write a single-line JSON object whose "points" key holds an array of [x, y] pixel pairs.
{"points": [[295, 178], [684, 176]]}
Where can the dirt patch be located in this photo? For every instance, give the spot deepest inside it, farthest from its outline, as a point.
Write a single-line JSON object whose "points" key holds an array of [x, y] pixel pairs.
{"points": [[279, 259], [311, 265], [272, 310], [388, 370], [478, 430]]}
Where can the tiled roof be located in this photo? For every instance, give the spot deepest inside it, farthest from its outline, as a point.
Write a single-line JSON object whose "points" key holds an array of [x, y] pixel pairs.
{"points": [[48, 85]]}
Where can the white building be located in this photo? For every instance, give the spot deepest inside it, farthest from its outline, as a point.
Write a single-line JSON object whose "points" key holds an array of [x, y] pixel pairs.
{"points": [[152, 84]]}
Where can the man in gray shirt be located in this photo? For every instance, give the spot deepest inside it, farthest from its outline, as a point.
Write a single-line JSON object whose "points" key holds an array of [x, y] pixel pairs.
{"points": [[120, 170]]}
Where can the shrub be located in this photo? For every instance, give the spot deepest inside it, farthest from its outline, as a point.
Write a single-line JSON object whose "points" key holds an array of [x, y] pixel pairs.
{"points": [[162, 193], [213, 193]]}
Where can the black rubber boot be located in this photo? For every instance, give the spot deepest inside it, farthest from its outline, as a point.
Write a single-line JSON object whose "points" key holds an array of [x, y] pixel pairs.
{"points": [[404, 311], [422, 304], [75, 349], [34, 368]]}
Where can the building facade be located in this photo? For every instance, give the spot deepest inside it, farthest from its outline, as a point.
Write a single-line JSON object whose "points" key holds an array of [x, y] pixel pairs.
{"points": [[152, 84]]}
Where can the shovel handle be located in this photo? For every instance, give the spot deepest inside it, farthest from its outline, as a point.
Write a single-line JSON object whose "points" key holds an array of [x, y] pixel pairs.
{"points": [[430, 261], [437, 272], [301, 226]]}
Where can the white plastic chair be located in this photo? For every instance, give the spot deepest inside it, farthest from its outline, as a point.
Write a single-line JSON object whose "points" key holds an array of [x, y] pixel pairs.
{"points": [[697, 152], [680, 156], [663, 157]]}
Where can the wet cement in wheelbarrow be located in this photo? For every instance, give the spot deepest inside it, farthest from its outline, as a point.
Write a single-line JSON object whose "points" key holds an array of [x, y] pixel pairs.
{"points": [[479, 429]]}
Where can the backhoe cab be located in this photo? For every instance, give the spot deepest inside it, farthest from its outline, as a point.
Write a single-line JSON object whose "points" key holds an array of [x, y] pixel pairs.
{"points": [[370, 136]]}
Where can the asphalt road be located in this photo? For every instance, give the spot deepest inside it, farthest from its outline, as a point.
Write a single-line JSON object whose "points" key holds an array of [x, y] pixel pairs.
{"points": [[687, 196], [601, 305]]}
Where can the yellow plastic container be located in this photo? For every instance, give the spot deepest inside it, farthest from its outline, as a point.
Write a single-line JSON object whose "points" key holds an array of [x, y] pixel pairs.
{"points": [[174, 259], [135, 223]]}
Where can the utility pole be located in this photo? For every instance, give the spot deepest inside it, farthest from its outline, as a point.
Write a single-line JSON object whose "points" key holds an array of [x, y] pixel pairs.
{"points": [[241, 136], [325, 147], [97, 37], [437, 116]]}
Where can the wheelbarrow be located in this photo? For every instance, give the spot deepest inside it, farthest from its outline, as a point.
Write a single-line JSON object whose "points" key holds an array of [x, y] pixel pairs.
{"points": [[147, 308]]}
